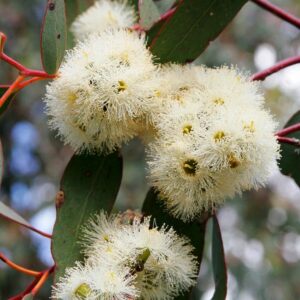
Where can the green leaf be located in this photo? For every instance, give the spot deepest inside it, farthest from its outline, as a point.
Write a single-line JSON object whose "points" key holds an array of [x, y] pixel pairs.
{"points": [[185, 35], [148, 12], [6, 105], [194, 231], [218, 262], [290, 155], [90, 184], [54, 36]]}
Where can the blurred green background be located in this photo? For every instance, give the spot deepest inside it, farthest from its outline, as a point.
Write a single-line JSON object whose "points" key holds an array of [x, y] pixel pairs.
{"points": [[261, 230]]}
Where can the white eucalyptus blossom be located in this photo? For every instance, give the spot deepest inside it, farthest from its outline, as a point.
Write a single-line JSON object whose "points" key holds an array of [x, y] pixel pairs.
{"points": [[228, 87], [205, 152], [94, 282], [161, 260], [103, 89], [75, 284], [103, 15]]}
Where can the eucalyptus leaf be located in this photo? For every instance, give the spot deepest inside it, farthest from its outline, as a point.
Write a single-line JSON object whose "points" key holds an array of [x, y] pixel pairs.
{"points": [[90, 184]]}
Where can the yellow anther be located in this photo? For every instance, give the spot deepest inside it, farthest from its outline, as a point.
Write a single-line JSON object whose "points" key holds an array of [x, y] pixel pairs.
{"points": [[233, 161], [111, 275], [85, 54], [219, 135], [219, 101], [157, 93], [249, 127], [190, 167], [122, 86], [109, 249], [106, 238], [187, 129], [72, 97], [183, 88], [83, 291]]}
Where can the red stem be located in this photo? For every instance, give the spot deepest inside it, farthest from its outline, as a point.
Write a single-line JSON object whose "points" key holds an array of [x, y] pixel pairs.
{"points": [[17, 267], [11, 89], [277, 67], [277, 11], [287, 140], [42, 280], [27, 290], [34, 287], [288, 130], [29, 81], [167, 14]]}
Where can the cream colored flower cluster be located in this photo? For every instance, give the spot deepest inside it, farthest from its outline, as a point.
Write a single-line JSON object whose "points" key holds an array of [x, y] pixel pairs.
{"points": [[129, 260], [207, 133]]}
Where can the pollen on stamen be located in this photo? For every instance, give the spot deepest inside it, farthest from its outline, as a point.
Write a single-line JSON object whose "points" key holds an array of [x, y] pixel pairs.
{"points": [[219, 135], [233, 161], [219, 101], [83, 291], [249, 127], [122, 86], [190, 167], [187, 129]]}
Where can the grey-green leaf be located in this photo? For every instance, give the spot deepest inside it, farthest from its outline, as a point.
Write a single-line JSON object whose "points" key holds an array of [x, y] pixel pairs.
{"points": [[54, 35], [90, 184], [148, 12], [218, 262], [194, 231], [290, 155], [185, 35]]}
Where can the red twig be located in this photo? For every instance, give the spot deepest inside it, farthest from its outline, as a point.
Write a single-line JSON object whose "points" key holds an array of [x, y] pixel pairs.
{"points": [[277, 11], [167, 14], [43, 278], [11, 89], [26, 291], [287, 140], [35, 286], [277, 67], [17, 267], [288, 130], [23, 72]]}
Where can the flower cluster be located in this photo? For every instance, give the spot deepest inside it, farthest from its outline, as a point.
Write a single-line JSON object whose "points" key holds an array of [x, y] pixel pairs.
{"points": [[207, 133], [129, 260], [217, 140]]}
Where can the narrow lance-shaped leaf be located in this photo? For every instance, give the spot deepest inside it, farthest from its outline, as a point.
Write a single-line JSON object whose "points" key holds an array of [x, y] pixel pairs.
{"points": [[148, 13], [290, 155], [194, 231], [90, 184], [54, 35], [185, 35], [218, 262]]}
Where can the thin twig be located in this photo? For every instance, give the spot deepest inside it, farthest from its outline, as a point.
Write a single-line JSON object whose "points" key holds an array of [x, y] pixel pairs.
{"points": [[277, 67], [17, 267], [288, 130], [287, 140], [277, 11]]}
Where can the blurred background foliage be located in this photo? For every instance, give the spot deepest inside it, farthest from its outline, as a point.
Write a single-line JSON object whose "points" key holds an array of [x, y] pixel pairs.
{"points": [[261, 230]]}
